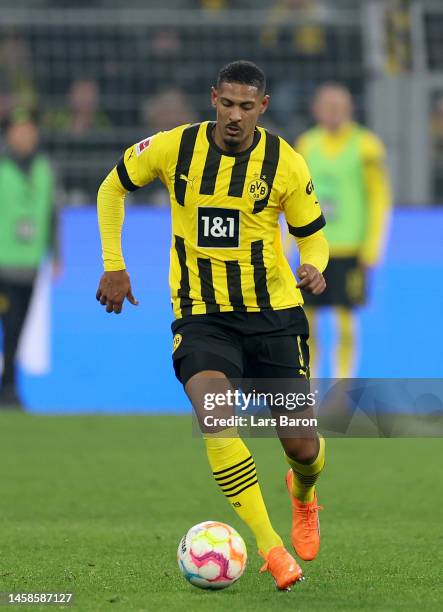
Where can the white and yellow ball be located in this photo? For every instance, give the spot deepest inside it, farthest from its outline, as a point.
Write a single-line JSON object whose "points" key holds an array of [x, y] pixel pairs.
{"points": [[212, 555]]}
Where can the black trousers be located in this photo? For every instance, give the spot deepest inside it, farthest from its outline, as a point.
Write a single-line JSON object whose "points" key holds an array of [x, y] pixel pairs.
{"points": [[14, 303]]}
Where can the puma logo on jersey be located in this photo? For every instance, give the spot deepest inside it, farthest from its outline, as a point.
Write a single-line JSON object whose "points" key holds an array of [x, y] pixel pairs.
{"points": [[189, 181]]}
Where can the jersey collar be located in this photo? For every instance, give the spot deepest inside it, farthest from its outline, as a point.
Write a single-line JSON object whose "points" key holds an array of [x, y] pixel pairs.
{"points": [[246, 152]]}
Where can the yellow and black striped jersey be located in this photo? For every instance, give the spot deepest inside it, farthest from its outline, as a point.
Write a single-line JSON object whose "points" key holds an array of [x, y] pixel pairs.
{"points": [[226, 252]]}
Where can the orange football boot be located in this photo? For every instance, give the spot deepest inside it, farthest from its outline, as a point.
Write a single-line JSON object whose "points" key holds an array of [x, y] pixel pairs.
{"points": [[305, 532], [283, 567]]}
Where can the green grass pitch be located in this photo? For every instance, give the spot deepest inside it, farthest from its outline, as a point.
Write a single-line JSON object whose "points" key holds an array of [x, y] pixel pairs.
{"points": [[96, 505]]}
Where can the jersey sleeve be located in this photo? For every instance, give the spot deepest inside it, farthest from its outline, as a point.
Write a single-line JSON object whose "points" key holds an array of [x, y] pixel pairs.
{"points": [[379, 198], [143, 162], [300, 205], [372, 149]]}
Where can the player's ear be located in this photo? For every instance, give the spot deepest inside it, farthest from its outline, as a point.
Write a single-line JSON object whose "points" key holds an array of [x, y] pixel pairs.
{"points": [[264, 104], [214, 97]]}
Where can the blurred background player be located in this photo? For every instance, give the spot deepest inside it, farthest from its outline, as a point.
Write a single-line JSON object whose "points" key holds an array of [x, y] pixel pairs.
{"points": [[27, 233], [347, 163]]}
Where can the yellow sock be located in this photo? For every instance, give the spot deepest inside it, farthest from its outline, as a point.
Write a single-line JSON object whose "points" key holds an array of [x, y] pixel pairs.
{"points": [[306, 474], [345, 349], [311, 314], [234, 471]]}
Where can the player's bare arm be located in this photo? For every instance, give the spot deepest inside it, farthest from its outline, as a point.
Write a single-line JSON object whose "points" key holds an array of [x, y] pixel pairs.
{"points": [[113, 289], [311, 280]]}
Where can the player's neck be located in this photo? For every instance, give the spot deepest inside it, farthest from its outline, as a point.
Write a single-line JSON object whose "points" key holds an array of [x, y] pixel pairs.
{"points": [[338, 130]]}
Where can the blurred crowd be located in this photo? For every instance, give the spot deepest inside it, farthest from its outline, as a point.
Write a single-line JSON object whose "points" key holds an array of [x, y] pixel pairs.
{"points": [[150, 79], [207, 5], [96, 90]]}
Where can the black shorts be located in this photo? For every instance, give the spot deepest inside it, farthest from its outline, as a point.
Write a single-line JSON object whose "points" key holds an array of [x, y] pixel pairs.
{"points": [[345, 284], [268, 344]]}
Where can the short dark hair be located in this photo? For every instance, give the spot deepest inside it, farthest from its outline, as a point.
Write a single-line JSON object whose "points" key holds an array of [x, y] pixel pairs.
{"points": [[244, 72]]}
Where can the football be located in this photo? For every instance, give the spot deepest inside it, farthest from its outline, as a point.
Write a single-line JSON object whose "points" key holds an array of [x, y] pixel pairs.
{"points": [[212, 555]]}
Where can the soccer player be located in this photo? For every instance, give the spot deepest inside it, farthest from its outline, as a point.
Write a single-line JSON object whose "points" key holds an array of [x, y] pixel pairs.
{"points": [[347, 163], [237, 306]]}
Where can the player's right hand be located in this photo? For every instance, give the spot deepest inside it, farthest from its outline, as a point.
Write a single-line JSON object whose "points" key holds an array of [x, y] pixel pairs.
{"points": [[311, 280], [113, 288]]}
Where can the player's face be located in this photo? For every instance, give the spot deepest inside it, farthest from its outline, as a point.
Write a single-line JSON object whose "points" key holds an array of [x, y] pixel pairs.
{"points": [[238, 108], [23, 138], [332, 108]]}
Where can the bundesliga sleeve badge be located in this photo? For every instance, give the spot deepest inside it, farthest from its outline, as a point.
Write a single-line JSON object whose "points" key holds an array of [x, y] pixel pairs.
{"points": [[143, 145]]}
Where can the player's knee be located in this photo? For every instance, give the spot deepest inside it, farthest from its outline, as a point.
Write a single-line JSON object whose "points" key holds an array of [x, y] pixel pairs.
{"points": [[302, 450]]}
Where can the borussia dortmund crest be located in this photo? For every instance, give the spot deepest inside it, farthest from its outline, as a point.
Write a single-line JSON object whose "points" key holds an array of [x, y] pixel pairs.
{"points": [[258, 189]]}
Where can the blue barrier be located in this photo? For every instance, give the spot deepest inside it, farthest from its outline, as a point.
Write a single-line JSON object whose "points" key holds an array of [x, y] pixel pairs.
{"points": [[108, 363]]}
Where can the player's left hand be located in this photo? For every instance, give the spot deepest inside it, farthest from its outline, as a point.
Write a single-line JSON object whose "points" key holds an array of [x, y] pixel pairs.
{"points": [[311, 280], [113, 289]]}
